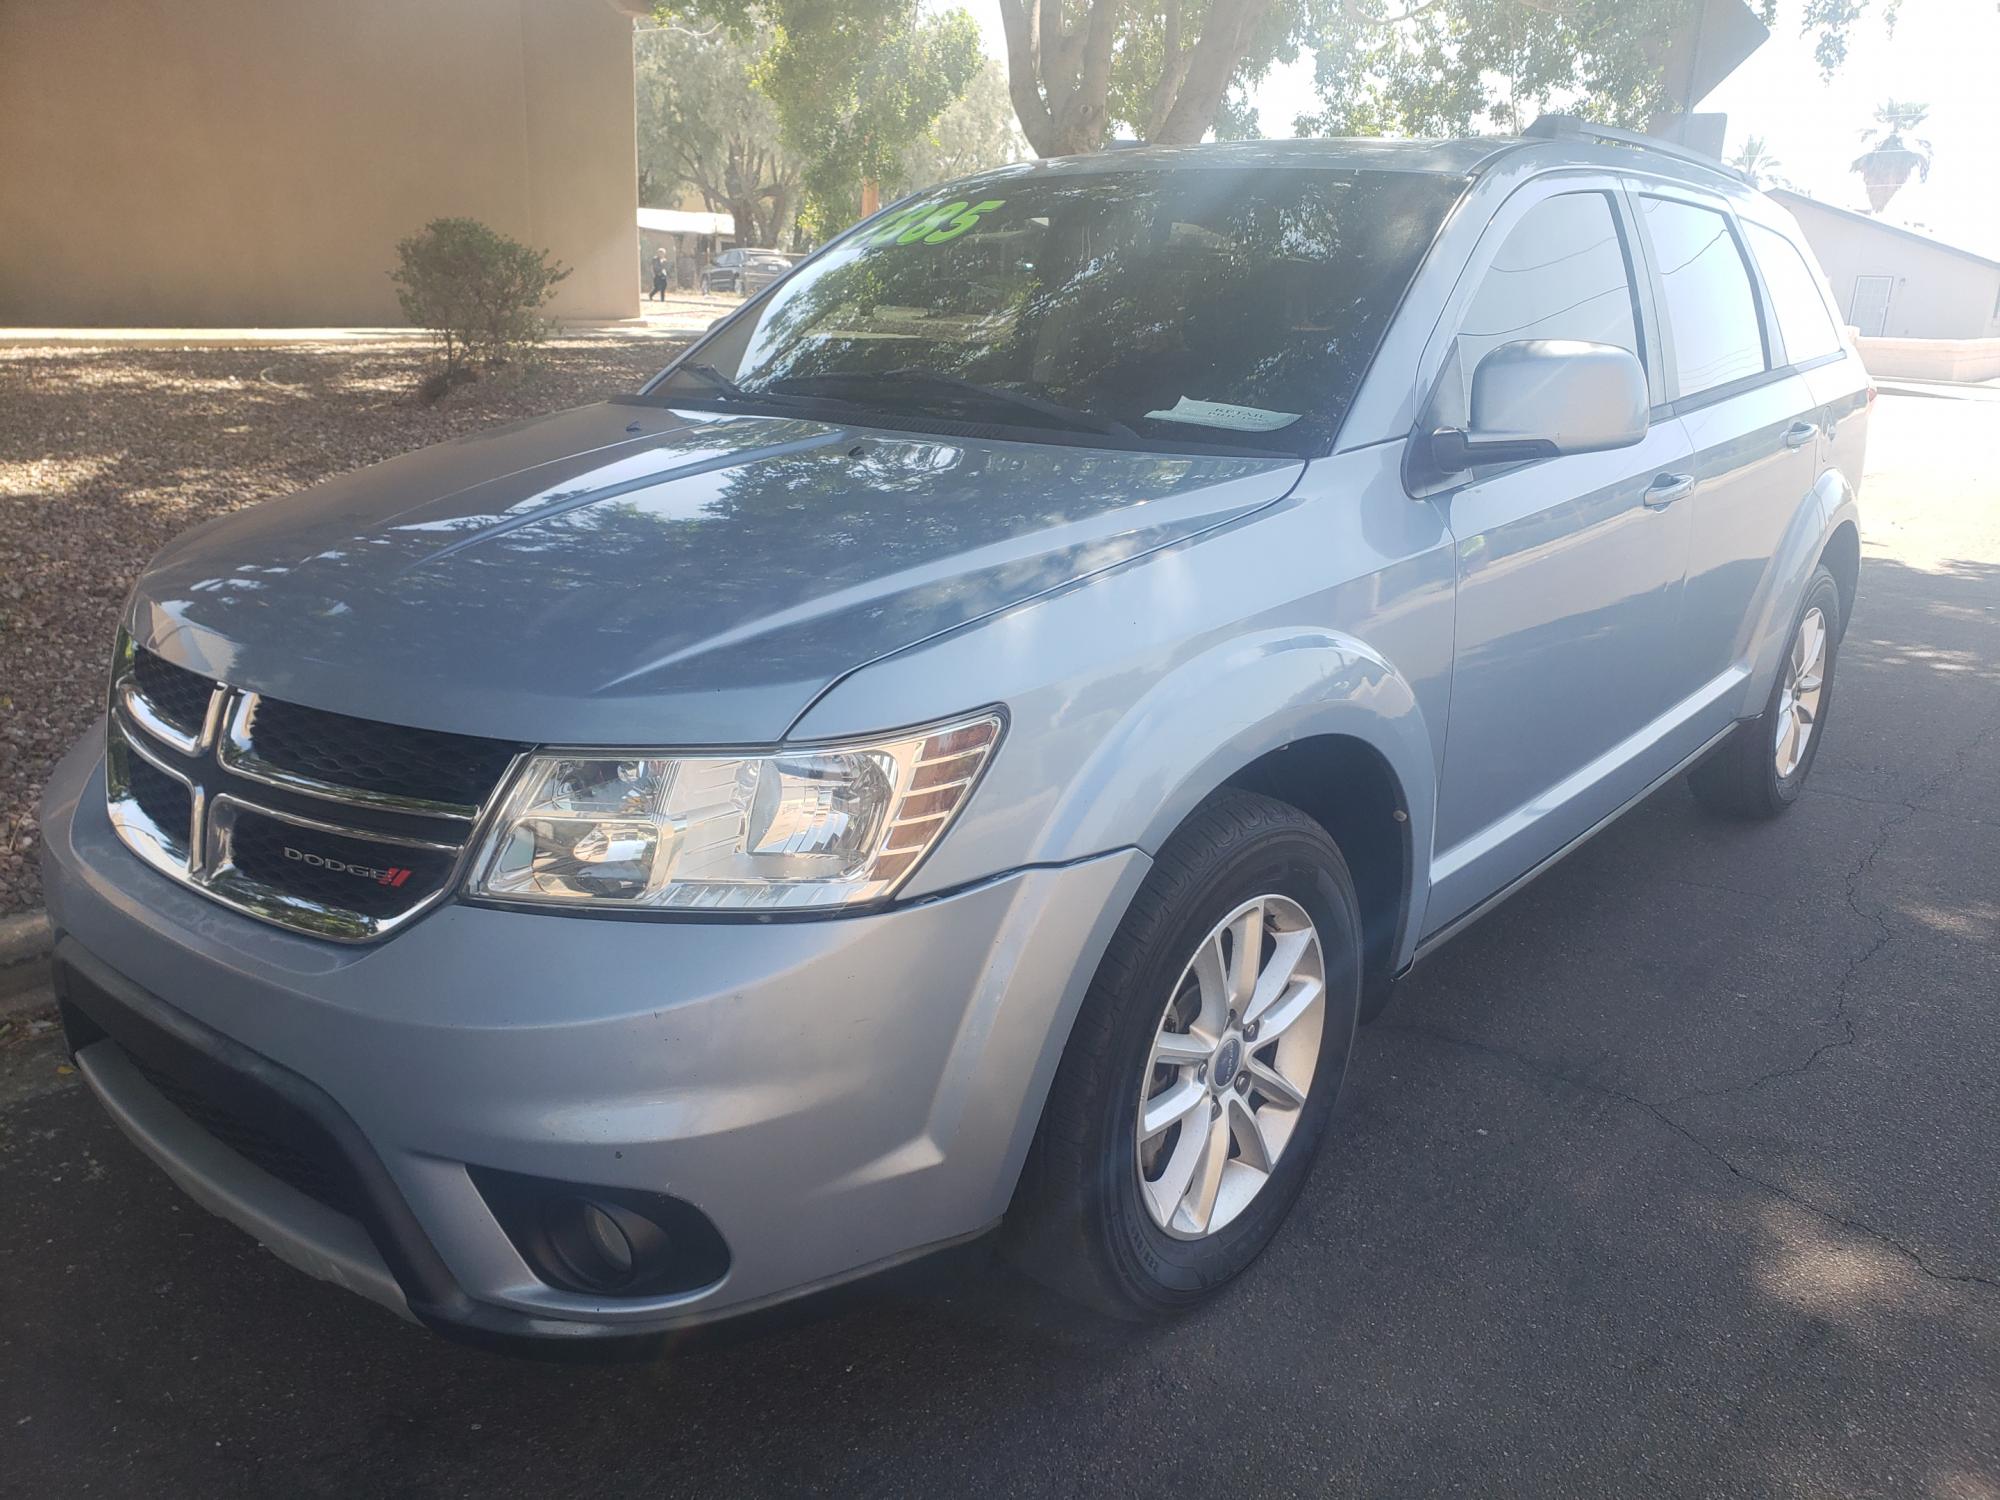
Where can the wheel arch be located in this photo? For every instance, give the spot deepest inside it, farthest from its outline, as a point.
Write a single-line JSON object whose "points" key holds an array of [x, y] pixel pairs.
{"points": [[1311, 717], [1822, 530], [1841, 556], [1348, 786]]}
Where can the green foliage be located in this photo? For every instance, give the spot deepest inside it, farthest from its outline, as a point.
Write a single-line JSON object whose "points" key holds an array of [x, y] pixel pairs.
{"points": [[1831, 21], [1457, 67], [854, 82], [976, 132], [1451, 67], [1174, 70], [1758, 166], [704, 125], [1154, 56], [1886, 166], [478, 292], [1081, 70]]}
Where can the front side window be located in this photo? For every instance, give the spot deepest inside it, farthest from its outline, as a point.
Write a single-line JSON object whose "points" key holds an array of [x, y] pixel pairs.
{"points": [[1711, 309], [1561, 274], [1171, 308], [1795, 298]]}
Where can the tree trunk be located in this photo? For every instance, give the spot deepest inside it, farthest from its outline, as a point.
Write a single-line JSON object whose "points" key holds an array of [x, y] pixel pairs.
{"points": [[1059, 71], [1225, 35], [1059, 75]]}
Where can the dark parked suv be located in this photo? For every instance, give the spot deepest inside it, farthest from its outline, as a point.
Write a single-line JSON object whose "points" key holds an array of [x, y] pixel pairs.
{"points": [[745, 272]]}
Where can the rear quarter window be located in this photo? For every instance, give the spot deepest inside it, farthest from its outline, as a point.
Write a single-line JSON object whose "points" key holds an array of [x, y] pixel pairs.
{"points": [[1795, 296]]}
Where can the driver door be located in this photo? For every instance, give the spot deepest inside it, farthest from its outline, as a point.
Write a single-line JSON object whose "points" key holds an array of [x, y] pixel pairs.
{"points": [[1569, 570]]}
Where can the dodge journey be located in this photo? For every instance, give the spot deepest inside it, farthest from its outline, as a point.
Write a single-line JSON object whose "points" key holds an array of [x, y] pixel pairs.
{"points": [[966, 745]]}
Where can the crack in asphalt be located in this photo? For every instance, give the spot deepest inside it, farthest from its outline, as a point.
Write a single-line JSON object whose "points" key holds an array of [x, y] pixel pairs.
{"points": [[1540, 1069], [1874, 912], [1842, 987]]}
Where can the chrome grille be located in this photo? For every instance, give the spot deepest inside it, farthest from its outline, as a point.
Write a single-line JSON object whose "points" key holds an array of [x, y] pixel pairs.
{"points": [[321, 754], [178, 696], [163, 797], [341, 827]]}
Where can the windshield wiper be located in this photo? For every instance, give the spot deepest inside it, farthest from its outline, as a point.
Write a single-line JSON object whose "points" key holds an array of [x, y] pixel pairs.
{"points": [[715, 378], [863, 382]]}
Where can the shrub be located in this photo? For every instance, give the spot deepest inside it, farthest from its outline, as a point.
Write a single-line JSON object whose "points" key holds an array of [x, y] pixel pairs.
{"points": [[478, 292]]}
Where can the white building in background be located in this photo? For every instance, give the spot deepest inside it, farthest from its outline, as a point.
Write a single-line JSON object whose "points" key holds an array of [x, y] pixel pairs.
{"points": [[1923, 309], [1897, 283]]}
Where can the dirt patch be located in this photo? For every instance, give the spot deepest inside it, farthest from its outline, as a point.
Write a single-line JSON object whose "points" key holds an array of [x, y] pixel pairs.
{"points": [[107, 453]]}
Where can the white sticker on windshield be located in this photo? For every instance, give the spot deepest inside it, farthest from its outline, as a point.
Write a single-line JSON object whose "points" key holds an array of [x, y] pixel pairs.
{"points": [[1222, 414]]}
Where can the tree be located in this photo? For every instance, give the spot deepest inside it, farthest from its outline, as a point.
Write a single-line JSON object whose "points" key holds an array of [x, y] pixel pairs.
{"points": [[1075, 68], [704, 124], [1757, 165], [854, 83], [1886, 166], [977, 132], [1458, 67]]}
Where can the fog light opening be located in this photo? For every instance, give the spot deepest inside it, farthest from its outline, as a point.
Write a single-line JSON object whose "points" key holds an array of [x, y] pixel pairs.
{"points": [[605, 1247]]}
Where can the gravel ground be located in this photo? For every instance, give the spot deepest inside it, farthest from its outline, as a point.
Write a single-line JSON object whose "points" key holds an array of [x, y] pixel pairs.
{"points": [[106, 453]]}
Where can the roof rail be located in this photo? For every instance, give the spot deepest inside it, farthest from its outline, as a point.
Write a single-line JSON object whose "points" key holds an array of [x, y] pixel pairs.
{"points": [[1575, 128]]}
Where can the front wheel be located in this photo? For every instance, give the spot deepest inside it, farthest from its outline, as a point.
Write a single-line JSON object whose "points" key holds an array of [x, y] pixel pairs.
{"points": [[1761, 769], [1203, 1066]]}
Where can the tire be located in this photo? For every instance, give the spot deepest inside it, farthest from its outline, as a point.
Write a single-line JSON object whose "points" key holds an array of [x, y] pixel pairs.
{"points": [[1084, 1220], [1747, 775]]}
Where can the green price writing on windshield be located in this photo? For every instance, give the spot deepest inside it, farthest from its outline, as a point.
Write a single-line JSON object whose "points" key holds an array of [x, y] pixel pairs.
{"points": [[931, 223]]}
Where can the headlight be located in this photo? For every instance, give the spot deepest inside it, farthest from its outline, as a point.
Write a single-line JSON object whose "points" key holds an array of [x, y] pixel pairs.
{"points": [[820, 825]]}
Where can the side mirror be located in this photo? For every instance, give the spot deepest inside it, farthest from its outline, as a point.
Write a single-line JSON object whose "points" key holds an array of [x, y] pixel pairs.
{"points": [[1542, 398]]}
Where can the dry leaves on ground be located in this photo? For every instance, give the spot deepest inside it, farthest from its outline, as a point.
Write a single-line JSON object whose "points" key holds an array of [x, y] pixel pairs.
{"points": [[106, 453]]}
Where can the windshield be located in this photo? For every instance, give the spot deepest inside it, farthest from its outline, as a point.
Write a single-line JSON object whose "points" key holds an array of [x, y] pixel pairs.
{"points": [[1172, 308]]}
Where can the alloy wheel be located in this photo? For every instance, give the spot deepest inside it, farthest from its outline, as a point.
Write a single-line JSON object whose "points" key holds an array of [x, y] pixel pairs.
{"points": [[1799, 697], [1231, 1067]]}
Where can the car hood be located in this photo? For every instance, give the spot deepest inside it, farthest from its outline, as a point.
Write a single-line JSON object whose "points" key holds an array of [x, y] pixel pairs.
{"points": [[626, 573]]}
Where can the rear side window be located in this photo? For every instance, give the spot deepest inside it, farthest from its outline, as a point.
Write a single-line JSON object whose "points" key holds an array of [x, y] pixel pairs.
{"points": [[1711, 310], [1561, 274], [1802, 315]]}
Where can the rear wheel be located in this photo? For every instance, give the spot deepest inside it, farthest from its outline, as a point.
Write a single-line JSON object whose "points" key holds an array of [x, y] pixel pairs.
{"points": [[1203, 1066], [1761, 769]]}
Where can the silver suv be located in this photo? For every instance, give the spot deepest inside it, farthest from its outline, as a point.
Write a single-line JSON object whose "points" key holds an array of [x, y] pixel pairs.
{"points": [[966, 744]]}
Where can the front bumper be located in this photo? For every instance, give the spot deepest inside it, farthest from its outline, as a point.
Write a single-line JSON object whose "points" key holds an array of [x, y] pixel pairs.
{"points": [[834, 1095]]}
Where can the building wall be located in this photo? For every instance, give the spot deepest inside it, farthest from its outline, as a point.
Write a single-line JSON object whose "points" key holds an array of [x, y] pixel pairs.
{"points": [[253, 162], [1939, 293], [1957, 360]]}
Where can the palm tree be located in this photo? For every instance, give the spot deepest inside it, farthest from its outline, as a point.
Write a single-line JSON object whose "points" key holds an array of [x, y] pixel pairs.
{"points": [[1756, 164], [1887, 165]]}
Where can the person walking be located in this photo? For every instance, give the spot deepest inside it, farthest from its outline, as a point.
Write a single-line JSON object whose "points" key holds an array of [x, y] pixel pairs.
{"points": [[660, 275]]}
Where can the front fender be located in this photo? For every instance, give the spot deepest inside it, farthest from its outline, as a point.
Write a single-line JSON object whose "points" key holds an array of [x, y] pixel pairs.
{"points": [[1826, 506], [1131, 699], [1219, 711]]}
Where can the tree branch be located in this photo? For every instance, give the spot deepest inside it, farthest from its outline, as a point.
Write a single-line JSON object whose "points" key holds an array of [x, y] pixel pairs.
{"points": [[1225, 34], [1023, 32], [1173, 72]]}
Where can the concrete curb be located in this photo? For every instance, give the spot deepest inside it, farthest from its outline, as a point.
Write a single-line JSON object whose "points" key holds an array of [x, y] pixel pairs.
{"points": [[25, 940], [23, 936]]}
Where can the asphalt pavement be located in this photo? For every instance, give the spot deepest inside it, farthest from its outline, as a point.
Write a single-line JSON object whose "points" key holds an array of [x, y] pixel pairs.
{"points": [[1678, 1175]]}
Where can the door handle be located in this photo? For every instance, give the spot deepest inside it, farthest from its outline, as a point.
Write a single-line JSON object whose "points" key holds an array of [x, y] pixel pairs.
{"points": [[1799, 434], [1666, 489]]}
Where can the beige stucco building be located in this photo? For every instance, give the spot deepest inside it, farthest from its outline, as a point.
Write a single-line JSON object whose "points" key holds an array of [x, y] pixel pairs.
{"points": [[1896, 283], [253, 162]]}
